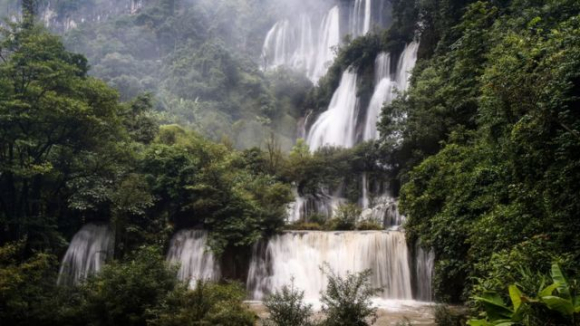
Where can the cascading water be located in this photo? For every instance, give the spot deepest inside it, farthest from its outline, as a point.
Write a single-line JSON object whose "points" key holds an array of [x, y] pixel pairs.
{"points": [[360, 20], [322, 203], [299, 256], [89, 249], [188, 248], [299, 44], [424, 264], [385, 211], [336, 126], [387, 83]]}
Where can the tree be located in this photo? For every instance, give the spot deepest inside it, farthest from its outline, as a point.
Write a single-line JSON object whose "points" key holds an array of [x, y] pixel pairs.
{"points": [[58, 126]]}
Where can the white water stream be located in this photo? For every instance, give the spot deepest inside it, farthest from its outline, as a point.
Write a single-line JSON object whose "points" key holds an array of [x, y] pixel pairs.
{"points": [[90, 247]]}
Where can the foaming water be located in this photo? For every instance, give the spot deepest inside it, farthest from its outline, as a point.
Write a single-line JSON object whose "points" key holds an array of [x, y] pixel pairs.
{"points": [[188, 248], [90, 247], [300, 255], [336, 126]]}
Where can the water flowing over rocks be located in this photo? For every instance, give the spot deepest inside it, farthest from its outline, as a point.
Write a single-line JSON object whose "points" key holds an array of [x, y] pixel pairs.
{"points": [[90, 247]]}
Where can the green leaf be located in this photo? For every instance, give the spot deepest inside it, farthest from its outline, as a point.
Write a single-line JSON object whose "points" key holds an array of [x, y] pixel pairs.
{"points": [[478, 322], [559, 277], [516, 297], [495, 307], [577, 304], [561, 305], [549, 290]]}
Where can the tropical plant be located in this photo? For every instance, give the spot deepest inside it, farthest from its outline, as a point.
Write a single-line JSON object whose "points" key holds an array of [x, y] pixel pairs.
{"points": [[557, 297]]}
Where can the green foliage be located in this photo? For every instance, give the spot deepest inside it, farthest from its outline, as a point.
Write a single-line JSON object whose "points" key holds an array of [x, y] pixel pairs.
{"points": [[206, 304], [286, 308], [346, 300], [123, 292], [27, 287], [444, 316], [557, 297], [490, 110], [345, 218]]}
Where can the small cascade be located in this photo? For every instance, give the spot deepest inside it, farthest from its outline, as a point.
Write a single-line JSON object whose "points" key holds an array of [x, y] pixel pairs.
{"points": [[336, 126], [384, 210], [188, 248], [322, 203], [299, 256], [89, 249], [406, 64], [424, 264], [364, 202]]}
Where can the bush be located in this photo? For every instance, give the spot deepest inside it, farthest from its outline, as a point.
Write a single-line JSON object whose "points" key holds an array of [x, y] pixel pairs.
{"points": [[347, 300], [345, 218], [307, 226], [208, 304], [27, 287], [122, 293], [366, 225], [445, 317], [286, 308]]}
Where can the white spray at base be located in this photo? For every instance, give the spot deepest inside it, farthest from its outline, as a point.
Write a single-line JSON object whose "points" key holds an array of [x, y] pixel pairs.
{"points": [[90, 247]]}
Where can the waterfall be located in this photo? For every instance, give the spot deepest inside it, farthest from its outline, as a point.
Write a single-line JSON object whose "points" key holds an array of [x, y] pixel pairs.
{"points": [[336, 126], [406, 64], [360, 19], [387, 84], [89, 249], [299, 256], [384, 210], [301, 45], [321, 203], [188, 248], [330, 38], [424, 261], [365, 192]]}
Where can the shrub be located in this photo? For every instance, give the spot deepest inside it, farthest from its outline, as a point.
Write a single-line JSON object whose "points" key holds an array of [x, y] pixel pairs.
{"points": [[445, 317], [369, 225], [207, 304], [286, 308], [345, 218], [122, 293], [347, 300], [309, 226]]}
